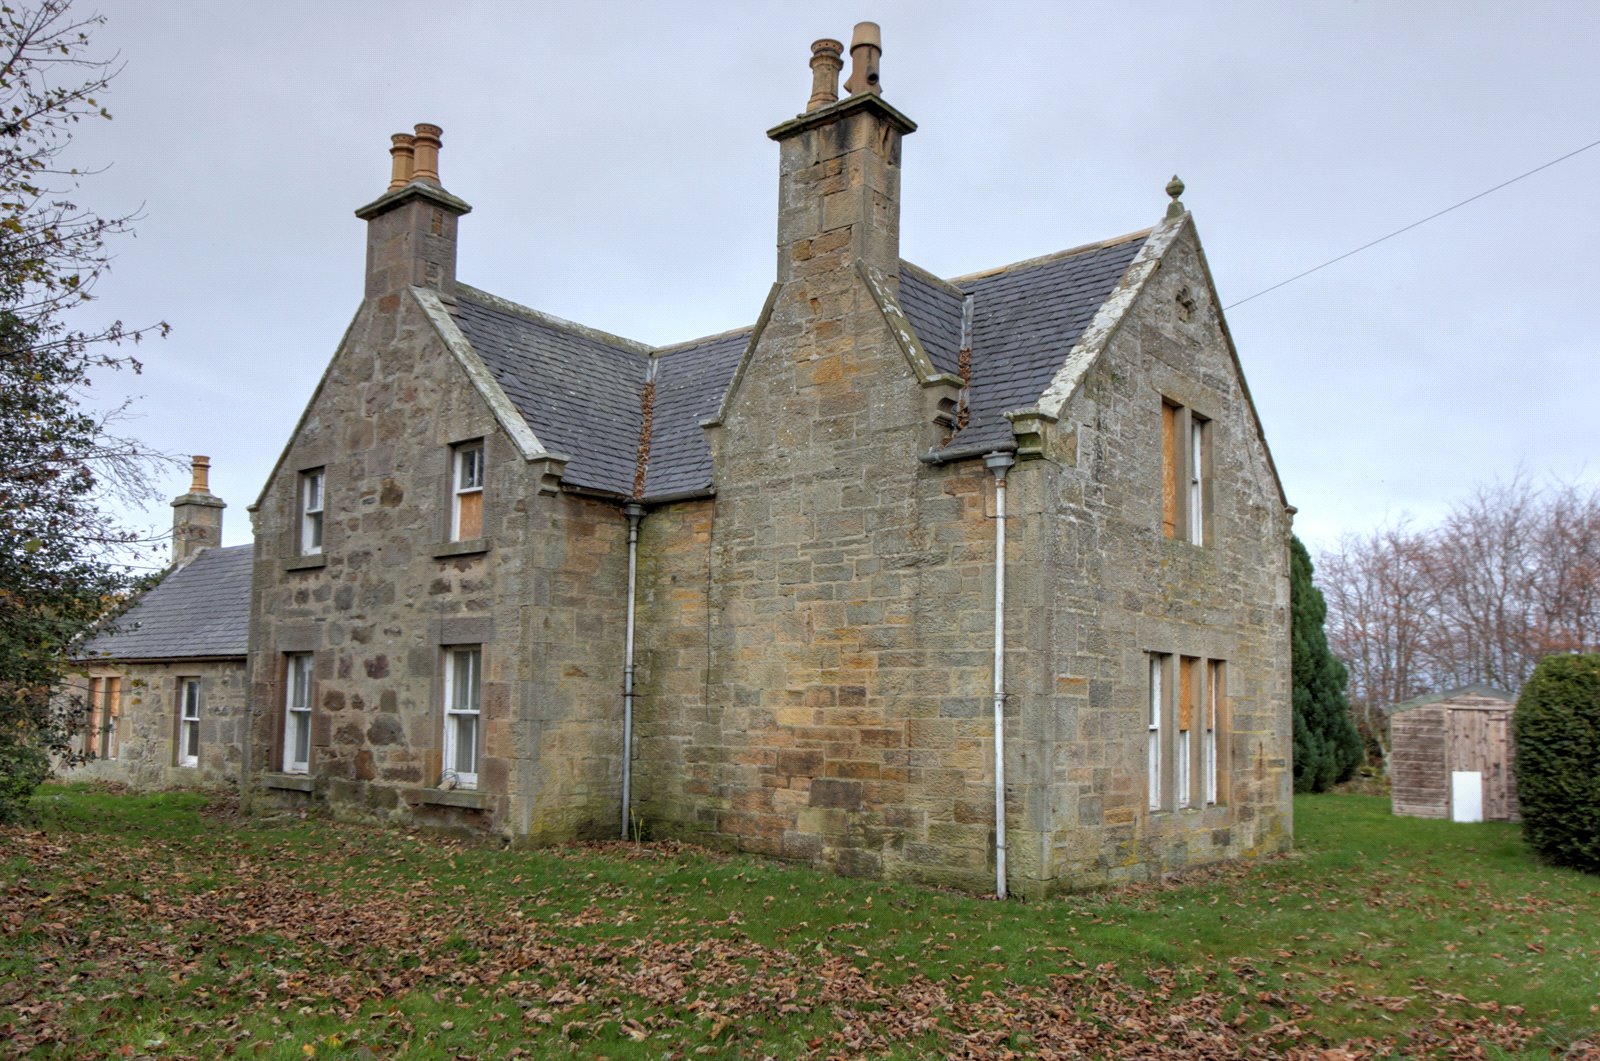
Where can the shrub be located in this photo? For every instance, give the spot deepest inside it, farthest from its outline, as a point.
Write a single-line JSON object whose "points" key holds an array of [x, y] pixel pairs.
{"points": [[1557, 727], [23, 768]]}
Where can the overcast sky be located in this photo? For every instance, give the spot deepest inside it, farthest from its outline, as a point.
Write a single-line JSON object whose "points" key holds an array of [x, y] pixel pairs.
{"points": [[615, 158]]}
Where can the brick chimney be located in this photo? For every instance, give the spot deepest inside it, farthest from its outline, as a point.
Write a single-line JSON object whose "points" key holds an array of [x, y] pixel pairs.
{"points": [[839, 168], [196, 515], [411, 228]]}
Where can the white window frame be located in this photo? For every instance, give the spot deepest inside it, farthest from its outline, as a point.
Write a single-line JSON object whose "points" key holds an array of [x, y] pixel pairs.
{"points": [[1213, 681], [188, 721], [1153, 725], [313, 497], [466, 477], [1197, 484], [297, 713], [463, 714]]}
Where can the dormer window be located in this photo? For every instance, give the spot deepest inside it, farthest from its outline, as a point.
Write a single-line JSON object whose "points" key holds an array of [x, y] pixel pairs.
{"points": [[466, 489], [311, 512]]}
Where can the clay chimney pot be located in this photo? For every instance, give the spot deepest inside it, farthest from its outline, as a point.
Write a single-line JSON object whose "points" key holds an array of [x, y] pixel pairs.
{"points": [[200, 481], [827, 59], [865, 47], [428, 143], [403, 156]]}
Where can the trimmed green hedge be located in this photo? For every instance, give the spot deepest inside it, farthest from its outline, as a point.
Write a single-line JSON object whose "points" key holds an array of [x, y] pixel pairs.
{"points": [[1557, 726]]}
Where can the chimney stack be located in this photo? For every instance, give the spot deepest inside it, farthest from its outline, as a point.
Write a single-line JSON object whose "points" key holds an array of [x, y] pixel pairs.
{"points": [[839, 172], [411, 228], [196, 515]]}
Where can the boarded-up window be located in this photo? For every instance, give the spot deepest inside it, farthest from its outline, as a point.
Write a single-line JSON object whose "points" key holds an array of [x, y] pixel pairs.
{"points": [[105, 708], [466, 520], [1186, 485], [1171, 460]]}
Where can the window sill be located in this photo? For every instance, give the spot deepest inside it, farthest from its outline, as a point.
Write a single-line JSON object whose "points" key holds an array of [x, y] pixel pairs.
{"points": [[288, 782], [467, 547], [306, 563], [469, 798]]}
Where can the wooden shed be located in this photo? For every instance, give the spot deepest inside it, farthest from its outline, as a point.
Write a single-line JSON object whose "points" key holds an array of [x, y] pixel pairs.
{"points": [[1450, 756]]}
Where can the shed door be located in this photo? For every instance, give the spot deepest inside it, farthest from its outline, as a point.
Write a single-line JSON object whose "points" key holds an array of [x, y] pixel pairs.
{"points": [[1479, 740], [1499, 790]]}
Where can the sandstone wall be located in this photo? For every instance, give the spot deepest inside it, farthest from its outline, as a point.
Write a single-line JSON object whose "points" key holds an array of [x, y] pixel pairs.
{"points": [[541, 592], [147, 731], [1123, 590]]}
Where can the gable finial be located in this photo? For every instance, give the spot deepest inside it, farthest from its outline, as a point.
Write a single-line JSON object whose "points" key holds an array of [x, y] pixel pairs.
{"points": [[1175, 189]]}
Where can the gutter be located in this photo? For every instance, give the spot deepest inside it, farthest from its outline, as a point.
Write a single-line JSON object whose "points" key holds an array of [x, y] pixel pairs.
{"points": [[956, 453]]}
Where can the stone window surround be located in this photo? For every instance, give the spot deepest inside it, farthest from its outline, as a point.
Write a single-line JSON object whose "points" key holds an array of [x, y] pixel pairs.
{"points": [[292, 639], [455, 710], [467, 485], [311, 497], [188, 723], [445, 523], [1187, 489], [287, 731], [445, 633], [102, 724], [1209, 706]]}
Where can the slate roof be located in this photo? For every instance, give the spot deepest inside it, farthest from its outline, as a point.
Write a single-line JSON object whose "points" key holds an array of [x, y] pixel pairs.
{"points": [[578, 389], [934, 309], [690, 382], [1026, 318], [582, 391], [197, 611]]}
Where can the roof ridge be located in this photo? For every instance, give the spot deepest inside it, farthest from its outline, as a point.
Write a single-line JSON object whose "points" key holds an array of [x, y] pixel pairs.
{"points": [[572, 327], [673, 348], [937, 281], [1045, 259]]}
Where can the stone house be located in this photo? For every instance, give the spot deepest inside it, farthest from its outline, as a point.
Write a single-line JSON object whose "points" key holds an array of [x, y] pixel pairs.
{"points": [[164, 682], [1452, 755], [978, 581]]}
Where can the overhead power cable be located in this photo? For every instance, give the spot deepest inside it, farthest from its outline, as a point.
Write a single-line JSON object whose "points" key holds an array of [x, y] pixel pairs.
{"points": [[1414, 224]]}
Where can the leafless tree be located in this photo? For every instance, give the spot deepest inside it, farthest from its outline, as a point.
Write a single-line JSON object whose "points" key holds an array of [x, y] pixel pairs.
{"points": [[1512, 574]]}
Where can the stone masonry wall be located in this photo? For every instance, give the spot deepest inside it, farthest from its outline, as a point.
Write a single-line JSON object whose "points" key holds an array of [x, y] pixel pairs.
{"points": [[1124, 590], [816, 640], [147, 730], [540, 593]]}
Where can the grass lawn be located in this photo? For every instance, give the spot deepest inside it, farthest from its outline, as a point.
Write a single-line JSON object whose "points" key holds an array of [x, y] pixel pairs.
{"points": [[163, 926]]}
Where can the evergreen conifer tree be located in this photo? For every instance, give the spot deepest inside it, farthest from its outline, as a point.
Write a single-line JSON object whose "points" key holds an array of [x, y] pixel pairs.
{"points": [[1327, 748]]}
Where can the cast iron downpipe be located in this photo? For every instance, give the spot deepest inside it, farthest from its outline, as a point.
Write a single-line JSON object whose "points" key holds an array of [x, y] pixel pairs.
{"points": [[635, 513], [999, 463]]}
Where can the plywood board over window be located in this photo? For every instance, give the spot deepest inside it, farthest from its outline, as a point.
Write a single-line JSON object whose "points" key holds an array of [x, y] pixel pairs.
{"points": [[1171, 461], [105, 711], [1186, 680], [467, 492]]}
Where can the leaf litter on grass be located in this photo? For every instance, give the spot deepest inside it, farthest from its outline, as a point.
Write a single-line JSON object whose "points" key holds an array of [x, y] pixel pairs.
{"points": [[400, 940]]}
